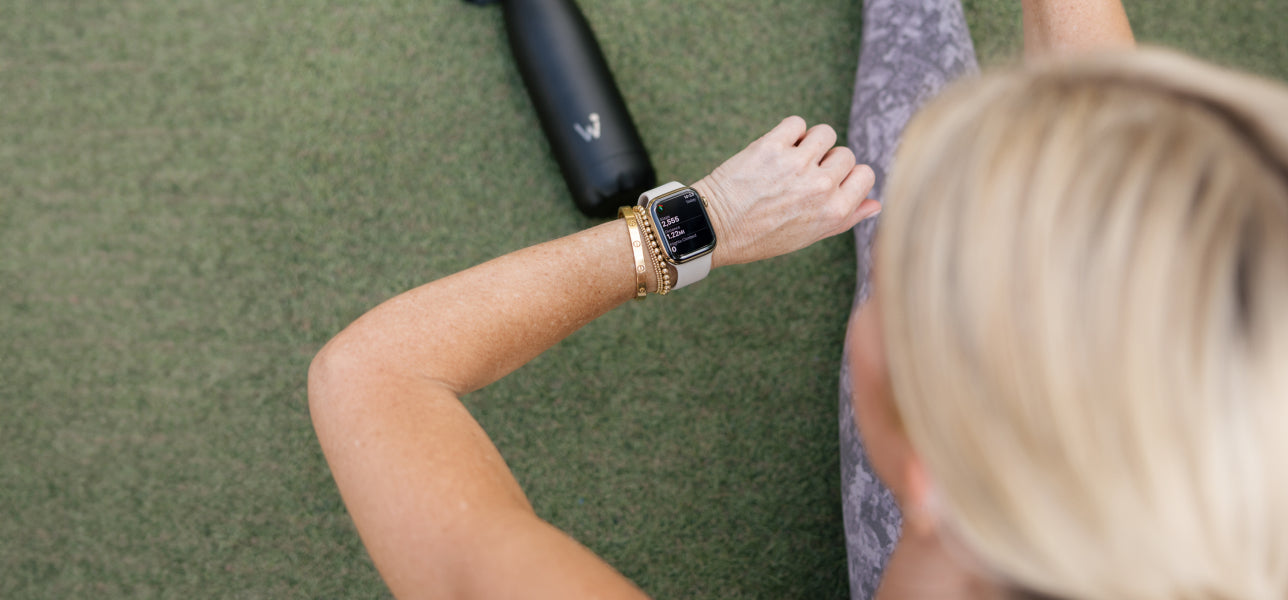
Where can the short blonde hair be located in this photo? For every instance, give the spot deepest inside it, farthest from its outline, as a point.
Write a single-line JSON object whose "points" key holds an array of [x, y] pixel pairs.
{"points": [[1083, 277]]}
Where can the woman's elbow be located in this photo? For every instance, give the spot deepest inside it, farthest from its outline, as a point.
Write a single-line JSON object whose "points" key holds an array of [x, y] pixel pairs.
{"points": [[330, 369]]}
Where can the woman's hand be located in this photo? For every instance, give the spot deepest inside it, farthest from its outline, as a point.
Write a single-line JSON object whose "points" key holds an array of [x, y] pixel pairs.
{"points": [[785, 191]]}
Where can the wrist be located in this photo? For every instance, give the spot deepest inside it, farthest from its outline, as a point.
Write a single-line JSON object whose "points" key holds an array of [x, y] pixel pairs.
{"points": [[686, 237], [649, 273], [717, 202]]}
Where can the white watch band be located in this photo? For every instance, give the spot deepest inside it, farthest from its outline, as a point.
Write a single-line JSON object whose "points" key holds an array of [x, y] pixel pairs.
{"points": [[692, 272], [688, 272]]}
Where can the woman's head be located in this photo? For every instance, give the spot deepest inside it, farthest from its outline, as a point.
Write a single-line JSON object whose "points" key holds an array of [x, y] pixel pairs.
{"points": [[1083, 282]]}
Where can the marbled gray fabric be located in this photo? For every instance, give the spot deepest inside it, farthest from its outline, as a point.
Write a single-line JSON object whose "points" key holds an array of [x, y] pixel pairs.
{"points": [[911, 49]]}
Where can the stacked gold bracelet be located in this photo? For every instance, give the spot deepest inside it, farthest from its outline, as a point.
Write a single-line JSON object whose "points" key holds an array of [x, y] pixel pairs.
{"points": [[637, 250], [659, 266]]}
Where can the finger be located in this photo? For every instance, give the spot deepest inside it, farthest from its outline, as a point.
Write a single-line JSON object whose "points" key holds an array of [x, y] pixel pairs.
{"points": [[787, 133], [839, 158], [865, 210], [818, 140], [868, 208], [859, 181]]}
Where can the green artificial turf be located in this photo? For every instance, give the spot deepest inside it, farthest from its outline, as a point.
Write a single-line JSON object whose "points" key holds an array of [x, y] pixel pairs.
{"points": [[196, 194]]}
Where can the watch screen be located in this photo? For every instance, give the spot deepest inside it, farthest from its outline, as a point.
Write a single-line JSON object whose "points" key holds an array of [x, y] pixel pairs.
{"points": [[683, 224]]}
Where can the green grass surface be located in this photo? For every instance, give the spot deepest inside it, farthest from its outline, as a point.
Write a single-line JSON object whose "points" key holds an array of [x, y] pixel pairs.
{"points": [[196, 194]]}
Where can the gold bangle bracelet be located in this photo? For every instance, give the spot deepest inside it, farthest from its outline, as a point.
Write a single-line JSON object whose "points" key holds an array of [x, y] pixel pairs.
{"points": [[637, 249]]}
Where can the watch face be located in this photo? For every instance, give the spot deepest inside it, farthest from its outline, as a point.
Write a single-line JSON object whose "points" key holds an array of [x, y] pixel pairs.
{"points": [[682, 222]]}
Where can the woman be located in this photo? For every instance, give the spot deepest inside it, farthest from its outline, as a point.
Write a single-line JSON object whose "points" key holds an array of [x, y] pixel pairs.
{"points": [[1067, 376], [1073, 367], [911, 50]]}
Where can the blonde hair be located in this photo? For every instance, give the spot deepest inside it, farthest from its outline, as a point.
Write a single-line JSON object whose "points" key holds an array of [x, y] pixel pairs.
{"points": [[1083, 277]]}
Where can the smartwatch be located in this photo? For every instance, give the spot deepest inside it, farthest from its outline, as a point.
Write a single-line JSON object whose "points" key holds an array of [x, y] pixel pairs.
{"points": [[679, 216]]}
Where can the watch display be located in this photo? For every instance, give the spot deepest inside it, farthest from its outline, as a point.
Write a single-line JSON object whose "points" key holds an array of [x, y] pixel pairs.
{"points": [[682, 223]]}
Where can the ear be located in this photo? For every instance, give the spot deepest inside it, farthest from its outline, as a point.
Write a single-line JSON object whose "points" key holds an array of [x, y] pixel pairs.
{"points": [[919, 517]]}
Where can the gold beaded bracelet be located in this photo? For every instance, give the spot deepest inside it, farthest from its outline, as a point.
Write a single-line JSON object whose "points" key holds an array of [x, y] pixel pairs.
{"points": [[646, 232], [637, 250], [659, 266]]}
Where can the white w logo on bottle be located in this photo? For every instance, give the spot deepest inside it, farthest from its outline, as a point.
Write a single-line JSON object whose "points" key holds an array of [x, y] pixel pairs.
{"points": [[589, 133]]}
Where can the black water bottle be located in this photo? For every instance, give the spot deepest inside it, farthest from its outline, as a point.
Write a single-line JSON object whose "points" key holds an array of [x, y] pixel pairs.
{"points": [[584, 116]]}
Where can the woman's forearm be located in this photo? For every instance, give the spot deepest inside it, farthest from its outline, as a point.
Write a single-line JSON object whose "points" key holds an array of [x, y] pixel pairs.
{"points": [[1058, 27], [470, 329], [784, 191]]}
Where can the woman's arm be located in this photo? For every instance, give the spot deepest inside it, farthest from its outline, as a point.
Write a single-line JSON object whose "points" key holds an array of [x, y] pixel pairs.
{"points": [[436, 506], [1059, 27]]}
